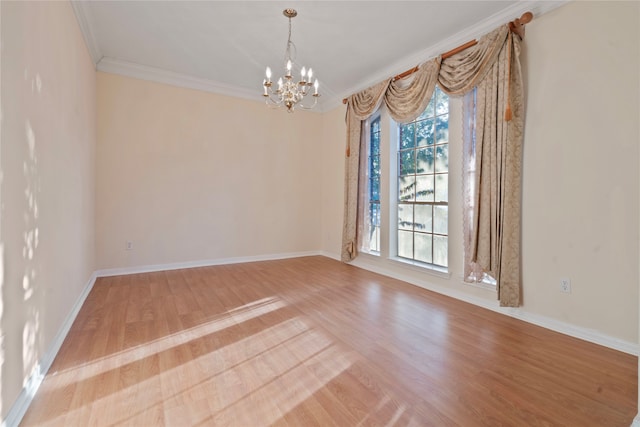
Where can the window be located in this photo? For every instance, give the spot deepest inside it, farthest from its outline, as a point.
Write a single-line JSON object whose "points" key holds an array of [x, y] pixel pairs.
{"points": [[371, 241], [423, 185]]}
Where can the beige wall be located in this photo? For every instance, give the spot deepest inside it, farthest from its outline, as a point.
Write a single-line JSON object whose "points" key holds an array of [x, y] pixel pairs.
{"points": [[581, 165], [581, 182], [190, 176], [47, 182]]}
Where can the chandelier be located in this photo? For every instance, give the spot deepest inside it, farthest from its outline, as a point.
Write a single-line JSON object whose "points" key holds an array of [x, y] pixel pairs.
{"points": [[289, 93]]}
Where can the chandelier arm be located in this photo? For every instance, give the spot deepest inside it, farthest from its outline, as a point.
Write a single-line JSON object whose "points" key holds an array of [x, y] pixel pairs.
{"points": [[304, 107], [310, 107], [274, 101]]}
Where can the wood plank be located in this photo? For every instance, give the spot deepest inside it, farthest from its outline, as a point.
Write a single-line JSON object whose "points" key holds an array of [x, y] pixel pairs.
{"points": [[314, 342]]}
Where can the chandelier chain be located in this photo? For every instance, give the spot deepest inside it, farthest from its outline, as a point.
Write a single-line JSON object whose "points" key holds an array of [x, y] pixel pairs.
{"points": [[288, 55]]}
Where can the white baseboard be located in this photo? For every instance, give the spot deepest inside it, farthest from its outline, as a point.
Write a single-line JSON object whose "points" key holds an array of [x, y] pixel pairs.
{"points": [[203, 263], [519, 313], [19, 408], [335, 256], [636, 421]]}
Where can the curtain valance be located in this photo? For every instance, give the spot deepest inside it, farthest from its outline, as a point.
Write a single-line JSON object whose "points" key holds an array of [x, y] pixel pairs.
{"points": [[493, 66]]}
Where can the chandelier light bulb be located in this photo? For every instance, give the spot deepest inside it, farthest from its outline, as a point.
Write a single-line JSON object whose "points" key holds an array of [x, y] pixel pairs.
{"points": [[315, 86], [288, 68], [268, 72], [310, 74], [303, 72]]}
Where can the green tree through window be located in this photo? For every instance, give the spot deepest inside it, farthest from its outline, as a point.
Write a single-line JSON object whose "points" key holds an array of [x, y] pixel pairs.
{"points": [[423, 184]]}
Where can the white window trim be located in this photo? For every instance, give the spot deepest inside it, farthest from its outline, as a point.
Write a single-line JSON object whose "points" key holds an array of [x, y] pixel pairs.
{"points": [[422, 267]]}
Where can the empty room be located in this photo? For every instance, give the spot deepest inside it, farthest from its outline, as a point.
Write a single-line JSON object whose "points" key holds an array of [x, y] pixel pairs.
{"points": [[315, 213]]}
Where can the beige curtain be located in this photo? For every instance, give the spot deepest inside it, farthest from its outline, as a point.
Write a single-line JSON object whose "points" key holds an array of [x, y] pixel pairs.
{"points": [[472, 272], [493, 67], [359, 107], [406, 100]]}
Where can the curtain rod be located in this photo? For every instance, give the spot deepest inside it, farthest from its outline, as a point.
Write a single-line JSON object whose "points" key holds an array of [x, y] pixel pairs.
{"points": [[516, 26]]}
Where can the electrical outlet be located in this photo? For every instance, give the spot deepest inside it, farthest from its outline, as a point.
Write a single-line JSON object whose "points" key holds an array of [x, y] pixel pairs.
{"points": [[129, 245], [565, 286]]}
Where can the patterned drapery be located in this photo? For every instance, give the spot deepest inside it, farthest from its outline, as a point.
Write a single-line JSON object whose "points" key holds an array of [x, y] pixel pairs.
{"points": [[493, 67]]}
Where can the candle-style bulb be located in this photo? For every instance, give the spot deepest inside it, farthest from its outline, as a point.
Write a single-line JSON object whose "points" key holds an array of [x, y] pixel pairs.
{"points": [[315, 85], [310, 74], [289, 65], [268, 72], [303, 72], [280, 83]]}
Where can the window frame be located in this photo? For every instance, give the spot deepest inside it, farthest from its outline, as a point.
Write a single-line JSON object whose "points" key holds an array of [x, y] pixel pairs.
{"points": [[396, 177], [366, 213]]}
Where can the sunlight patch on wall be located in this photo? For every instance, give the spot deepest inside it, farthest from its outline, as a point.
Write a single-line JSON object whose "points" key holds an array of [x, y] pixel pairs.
{"points": [[29, 350], [31, 369], [31, 192]]}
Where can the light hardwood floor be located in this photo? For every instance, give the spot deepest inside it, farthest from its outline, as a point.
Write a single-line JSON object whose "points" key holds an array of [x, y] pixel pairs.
{"points": [[311, 341]]}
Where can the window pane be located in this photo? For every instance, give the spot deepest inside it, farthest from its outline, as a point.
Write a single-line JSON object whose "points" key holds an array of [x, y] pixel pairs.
{"points": [[374, 214], [424, 188], [442, 129], [407, 188], [440, 250], [407, 162], [423, 247], [374, 164], [440, 219], [423, 174], [405, 244], [374, 240], [424, 160], [424, 132], [374, 227], [442, 187], [423, 218], [429, 111], [375, 144], [442, 158], [442, 102], [407, 136], [375, 188], [405, 217], [372, 206], [375, 126]]}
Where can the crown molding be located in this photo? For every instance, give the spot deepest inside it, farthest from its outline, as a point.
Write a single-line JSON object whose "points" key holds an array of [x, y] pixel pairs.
{"points": [[158, 75], [329, 102], [82, 16], [479, 29]]}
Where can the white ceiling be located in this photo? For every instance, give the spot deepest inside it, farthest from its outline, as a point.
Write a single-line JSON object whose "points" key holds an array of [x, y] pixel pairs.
{"points": [[224, 46]]}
